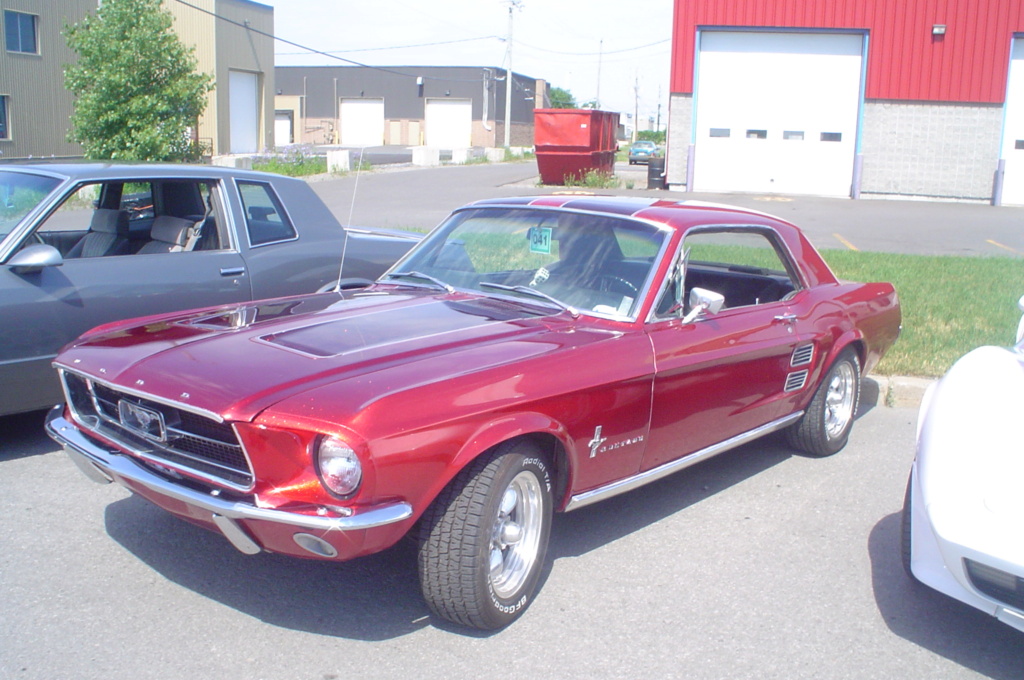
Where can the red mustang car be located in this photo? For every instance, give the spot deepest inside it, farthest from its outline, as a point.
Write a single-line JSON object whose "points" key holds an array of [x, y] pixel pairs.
{"points": [[529, 356]]}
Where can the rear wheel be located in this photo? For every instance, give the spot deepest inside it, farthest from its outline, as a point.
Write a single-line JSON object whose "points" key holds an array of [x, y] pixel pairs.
{"points": [[825, 426], [482, 543]]}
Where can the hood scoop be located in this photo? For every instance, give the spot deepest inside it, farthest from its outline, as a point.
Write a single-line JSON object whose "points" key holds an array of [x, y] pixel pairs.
{"points": [[391, 327]]}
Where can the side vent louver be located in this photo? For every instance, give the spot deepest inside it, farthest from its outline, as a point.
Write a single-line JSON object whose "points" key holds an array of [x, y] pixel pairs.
{"points": [[802, 355], [796, 381]]}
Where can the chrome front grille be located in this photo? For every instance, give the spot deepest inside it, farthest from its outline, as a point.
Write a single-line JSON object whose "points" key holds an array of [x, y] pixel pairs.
{"points": [[178, 438]]}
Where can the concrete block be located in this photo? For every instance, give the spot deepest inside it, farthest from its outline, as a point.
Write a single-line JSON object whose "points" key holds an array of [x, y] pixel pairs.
{"points": [[339, 160], [241, 162], [495, 155], [460, 156], [425, 156]]}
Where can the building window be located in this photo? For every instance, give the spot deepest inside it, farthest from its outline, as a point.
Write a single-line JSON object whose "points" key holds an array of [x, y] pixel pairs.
{"points": [[719, 132], [757, 134], [20, 32], [797, 135], [5, 132], [831, 136]]}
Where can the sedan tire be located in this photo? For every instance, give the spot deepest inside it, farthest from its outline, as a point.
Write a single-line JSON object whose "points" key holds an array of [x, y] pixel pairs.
{"points": [[483, 541], [825, 426]]}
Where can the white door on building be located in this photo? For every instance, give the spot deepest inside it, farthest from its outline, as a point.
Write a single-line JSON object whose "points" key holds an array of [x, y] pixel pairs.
{"points": [[244, 105], [777, 112], [362, 122], [1013, 129], [449, 123], [283, 128]]}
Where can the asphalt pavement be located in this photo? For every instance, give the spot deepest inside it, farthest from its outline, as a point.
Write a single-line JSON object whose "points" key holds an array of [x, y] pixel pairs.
{"points": [[419, 198], [756, 564]]}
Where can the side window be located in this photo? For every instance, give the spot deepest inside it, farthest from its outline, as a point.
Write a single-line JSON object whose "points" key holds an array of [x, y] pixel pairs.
{"points": [[265, 219], [20, 32], [5, 129], [744, 266]]}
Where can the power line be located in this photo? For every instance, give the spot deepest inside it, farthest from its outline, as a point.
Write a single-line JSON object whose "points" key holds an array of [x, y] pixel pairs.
{"points": [[396, 47]]}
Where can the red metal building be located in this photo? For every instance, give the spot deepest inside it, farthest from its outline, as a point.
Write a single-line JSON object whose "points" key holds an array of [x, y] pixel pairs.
{"points": [[908, 97]]}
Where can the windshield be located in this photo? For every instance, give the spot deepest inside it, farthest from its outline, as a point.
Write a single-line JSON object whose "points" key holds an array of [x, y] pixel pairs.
{"points": [[20, 193], [592, 263]]}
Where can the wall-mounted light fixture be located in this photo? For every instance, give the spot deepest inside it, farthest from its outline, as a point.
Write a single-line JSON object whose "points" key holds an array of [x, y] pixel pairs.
{"points": [[938, 29]]}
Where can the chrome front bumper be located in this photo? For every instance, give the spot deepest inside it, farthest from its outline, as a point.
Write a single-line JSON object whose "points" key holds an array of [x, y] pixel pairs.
{"points": [[105, 465]]}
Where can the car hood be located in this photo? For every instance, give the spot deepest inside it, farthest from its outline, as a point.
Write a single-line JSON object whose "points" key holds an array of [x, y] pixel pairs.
{"points": [[236, 361]]}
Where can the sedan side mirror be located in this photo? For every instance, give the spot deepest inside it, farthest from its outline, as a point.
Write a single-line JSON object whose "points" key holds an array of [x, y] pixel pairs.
{"points": [[701, 301], [35, 257]]}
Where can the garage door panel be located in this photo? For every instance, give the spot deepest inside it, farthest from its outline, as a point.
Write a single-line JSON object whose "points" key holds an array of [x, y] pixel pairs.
{"points": [[362, 122], [243, 104], [777, 112], [1013, 129]]}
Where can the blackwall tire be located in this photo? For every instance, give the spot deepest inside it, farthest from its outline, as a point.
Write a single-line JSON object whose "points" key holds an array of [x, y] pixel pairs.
{"points": [[825, 426], [906, 540], [482, 544]]}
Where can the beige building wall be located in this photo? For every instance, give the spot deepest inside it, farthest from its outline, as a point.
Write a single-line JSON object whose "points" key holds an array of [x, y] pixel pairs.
{"points": [[38, 105], [230, 35]]}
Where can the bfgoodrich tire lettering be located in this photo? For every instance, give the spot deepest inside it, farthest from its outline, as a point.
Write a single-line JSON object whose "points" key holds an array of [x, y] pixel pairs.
{"points": [[483, 542], [825, 426]]}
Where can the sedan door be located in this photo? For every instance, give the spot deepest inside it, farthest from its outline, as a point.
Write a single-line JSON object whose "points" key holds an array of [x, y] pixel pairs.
{"points": [[47, 307]]}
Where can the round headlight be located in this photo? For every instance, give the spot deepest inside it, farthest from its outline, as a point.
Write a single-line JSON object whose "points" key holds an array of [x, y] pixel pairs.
{"points": [[339, 466]]}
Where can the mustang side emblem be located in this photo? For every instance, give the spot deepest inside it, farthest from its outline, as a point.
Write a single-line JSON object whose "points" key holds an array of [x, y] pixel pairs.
{"points": [[596, 441]]}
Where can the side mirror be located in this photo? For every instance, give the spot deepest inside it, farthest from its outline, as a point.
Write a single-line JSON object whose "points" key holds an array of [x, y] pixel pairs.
{"points": [[35, 257], [703, 301], [1020, 326]]}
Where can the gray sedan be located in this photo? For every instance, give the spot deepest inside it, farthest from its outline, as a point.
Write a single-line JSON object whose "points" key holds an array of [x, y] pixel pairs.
{"points": [[85, 244]]}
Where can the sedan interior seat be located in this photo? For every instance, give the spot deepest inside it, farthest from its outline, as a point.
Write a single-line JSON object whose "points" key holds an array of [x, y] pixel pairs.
{"points": [[168, 235], [107, 235]]}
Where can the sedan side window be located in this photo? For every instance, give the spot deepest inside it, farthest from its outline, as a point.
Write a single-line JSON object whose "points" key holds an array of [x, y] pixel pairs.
{"points": [[746, 266], [265, 218]]}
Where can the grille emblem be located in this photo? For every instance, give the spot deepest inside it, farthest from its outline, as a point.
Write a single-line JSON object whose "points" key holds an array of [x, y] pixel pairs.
{"points": [[141, 420]]}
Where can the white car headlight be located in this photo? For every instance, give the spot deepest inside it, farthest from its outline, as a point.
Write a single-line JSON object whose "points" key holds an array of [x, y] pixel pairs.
{"points": [[339, 466]]}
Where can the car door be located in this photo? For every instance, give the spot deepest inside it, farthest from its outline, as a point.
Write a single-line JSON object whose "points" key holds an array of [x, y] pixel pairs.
{"points": [[47, 307], [729, 372]]}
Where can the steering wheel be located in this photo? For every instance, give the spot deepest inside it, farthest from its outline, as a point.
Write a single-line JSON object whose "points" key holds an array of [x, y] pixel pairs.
{"points": [[616, 284]]}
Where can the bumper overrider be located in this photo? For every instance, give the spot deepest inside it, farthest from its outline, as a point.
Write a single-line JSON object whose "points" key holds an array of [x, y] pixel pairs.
{"points": [[249, 528]]}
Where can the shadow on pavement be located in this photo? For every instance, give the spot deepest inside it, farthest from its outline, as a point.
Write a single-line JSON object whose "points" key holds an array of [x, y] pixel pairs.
{"points": [[22, 435], [934, 621]]}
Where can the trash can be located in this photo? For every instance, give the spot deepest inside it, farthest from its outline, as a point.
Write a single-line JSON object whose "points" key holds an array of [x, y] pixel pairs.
{"points": [[656, 173], [572, 142]]}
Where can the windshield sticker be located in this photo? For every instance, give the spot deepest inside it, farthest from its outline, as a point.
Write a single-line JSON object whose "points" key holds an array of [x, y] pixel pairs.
{"points": [[540, 240]]}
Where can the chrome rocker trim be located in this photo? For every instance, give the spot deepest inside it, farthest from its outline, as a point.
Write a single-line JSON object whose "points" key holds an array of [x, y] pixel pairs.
{"points": [[105, 466], [623, 485]]}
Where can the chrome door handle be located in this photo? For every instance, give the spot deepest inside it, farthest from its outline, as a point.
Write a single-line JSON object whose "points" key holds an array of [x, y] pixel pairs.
{"points": [[232, 271], [786, 318]]}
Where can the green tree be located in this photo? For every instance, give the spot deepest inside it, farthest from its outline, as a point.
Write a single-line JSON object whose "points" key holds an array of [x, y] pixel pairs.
{"points": [[136, 89], [561, 98]]}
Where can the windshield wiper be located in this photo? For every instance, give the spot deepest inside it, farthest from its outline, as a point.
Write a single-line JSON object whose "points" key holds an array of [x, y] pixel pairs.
{"points": [[533, 292], [426, 277]]}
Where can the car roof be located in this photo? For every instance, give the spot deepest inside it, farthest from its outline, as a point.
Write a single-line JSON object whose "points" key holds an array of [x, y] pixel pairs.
{"points": [[671, 213], [111, 170]]}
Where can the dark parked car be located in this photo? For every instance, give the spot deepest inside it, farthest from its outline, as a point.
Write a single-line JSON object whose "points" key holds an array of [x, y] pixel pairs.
{"points": [[85, 244], [531, 355], [643, 151]]}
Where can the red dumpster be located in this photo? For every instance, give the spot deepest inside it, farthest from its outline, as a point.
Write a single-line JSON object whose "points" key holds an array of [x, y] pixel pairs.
{"points": [[572, 142]]}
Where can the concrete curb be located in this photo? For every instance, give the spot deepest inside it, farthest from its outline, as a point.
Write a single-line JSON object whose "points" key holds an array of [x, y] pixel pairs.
{"points": [[901, 391]]}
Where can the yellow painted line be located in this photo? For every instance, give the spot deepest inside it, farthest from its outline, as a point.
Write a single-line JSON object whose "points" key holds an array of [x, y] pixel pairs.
{"points": [[846, 243], [1000, 245]]}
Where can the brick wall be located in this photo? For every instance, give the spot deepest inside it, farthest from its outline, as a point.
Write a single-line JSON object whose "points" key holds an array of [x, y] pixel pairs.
{"points": [[930, 149]]}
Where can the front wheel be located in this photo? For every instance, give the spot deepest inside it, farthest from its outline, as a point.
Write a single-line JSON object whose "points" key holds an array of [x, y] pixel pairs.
{"points": [[482, 543], [825, 426]]}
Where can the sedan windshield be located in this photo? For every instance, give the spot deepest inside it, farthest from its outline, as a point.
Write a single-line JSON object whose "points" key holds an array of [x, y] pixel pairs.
{"points": [[20, 193], [572, 260]]}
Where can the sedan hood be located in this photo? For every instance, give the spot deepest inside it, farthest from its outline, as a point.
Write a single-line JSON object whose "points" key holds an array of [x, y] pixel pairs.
{"points": [[236, 361]]}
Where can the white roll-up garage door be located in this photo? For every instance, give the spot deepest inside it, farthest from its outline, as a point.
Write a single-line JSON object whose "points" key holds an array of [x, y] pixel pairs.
{"points": [[777, 112], [362, 122], [244, 105], [449, 123], [1013, 129]]}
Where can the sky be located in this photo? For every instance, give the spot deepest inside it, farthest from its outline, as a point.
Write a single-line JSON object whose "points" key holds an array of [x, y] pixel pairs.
{"points": [[614, 51]]}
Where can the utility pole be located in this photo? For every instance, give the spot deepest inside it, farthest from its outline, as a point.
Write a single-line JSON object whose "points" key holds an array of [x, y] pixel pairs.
{"points": [[600, 55], [636, 107], [512, 5]]}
